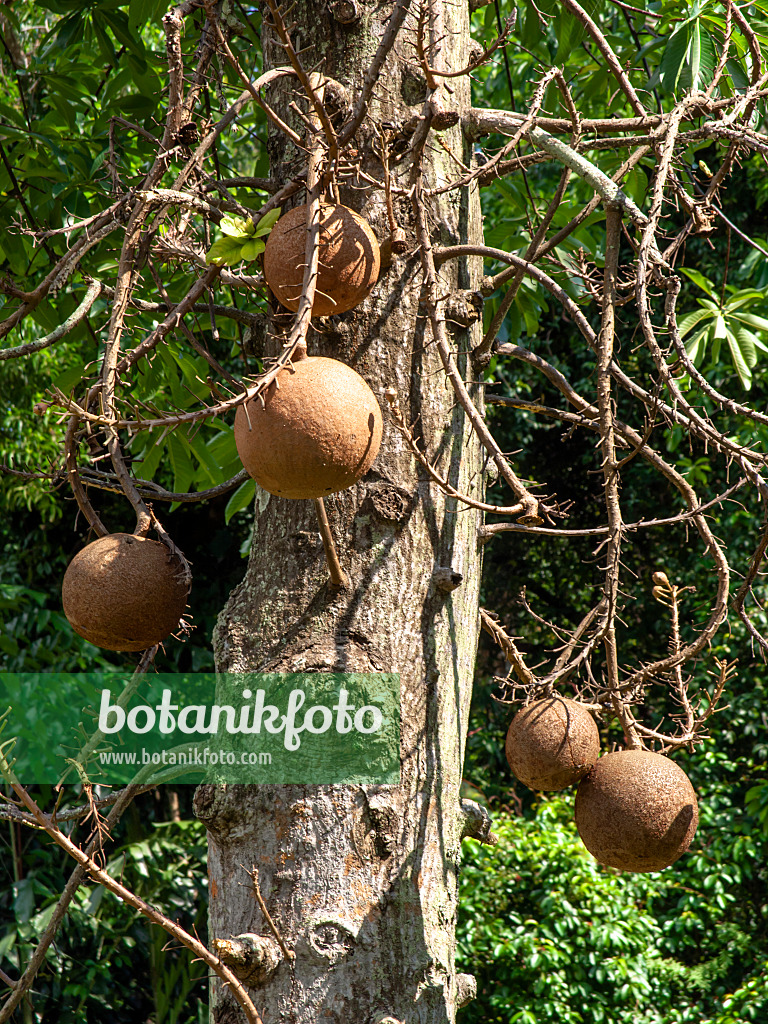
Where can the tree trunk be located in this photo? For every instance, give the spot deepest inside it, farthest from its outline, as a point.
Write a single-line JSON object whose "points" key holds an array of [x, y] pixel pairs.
{"points": [[361, 880]]}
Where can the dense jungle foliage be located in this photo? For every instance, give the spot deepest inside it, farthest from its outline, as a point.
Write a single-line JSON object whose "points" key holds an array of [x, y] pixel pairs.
{"points": [[550, 935]]}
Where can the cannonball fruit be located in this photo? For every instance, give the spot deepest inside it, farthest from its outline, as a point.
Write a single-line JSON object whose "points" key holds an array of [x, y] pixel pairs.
{"points": [[124, 593], [636, 811], [552, 743], [317, 432], [348, 252]]}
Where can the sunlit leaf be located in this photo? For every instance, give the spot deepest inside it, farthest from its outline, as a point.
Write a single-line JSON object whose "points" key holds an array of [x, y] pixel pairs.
{"points": [[698, 278], [225, 252], [695, 51], [697, 345], [740, 361], [236, 227], [252, 248], [267, 222], [689, 321], [754, 321], [672, 61], [746, 341]]}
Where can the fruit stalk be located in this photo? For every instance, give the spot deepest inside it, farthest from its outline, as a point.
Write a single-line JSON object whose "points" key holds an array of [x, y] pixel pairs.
{"points": [[338, 577], [611, 473]]}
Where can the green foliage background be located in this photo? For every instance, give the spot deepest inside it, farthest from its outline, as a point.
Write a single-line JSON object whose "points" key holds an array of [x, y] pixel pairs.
{"points": [[550, 935]]}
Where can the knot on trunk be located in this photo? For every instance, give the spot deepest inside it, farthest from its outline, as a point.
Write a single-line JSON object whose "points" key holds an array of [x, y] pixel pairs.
{"points": [[253, 959], [446, 578], [466, 989], [346, 12], [477, 824]]}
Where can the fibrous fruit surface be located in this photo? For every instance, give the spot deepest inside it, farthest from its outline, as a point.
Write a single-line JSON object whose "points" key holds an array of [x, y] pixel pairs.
{"points": [[317, 432], [349, 259], [124, 593], [552, 743], [636, 811]]}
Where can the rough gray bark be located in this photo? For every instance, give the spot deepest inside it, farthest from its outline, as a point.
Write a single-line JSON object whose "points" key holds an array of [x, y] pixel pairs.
{"points": [[361, 881]]}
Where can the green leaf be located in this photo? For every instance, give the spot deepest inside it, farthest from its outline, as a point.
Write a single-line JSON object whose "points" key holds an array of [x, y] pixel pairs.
{"points": [[12, 115], [267, 222], [695, 348], [67, 380], [252, 248], [708, 57], [704, 283], [183, 470], [236, 227], [695, 54], [754, 321], [118, 22], [530, 30], [9, 645], [225, 252], [149, 460], [242, 498], [740, 361], [744, 297], [570, 32], [746, 340], [143, 12], [24, 901], [194, 370], [690, 320], [675, 52], [103, 40], [202, 453], [739, 76]]}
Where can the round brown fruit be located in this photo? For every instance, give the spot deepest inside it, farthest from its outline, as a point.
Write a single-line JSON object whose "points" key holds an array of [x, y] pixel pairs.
{"points": [[552, 743], [636, 811], [349, 259], [318, 432], [124, 593]]}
